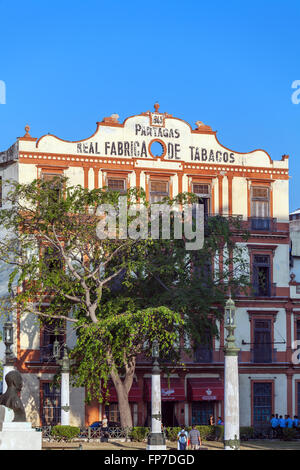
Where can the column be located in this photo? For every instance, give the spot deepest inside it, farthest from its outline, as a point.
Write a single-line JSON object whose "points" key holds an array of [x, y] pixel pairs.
{"points": [[231, 402]]}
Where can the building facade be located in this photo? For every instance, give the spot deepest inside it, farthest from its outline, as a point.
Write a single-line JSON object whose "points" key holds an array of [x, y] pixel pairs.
{"points": [[166, 156]]}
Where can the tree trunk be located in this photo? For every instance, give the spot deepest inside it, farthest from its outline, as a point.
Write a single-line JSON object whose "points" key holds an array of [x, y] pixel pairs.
{"points": [[124, 406], [123, 388]]}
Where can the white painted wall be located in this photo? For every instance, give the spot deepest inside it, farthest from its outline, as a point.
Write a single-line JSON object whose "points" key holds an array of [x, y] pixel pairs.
{"points": [[239, 204]]}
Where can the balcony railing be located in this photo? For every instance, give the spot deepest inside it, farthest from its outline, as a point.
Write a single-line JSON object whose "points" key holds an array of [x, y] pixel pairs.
{"points": [[263, 355], [264, 224], [46, 353], [203, 355], [261, 290]]}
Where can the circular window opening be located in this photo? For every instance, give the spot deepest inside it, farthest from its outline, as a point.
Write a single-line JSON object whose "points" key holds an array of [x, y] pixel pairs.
{"points": [[157, 149]]}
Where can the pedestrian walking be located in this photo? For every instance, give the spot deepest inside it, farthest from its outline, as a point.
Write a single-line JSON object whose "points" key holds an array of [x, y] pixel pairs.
{"points": [[195, 438], [282, 425], [274, 426], [289, 422], [182, 438], [296, 422]]}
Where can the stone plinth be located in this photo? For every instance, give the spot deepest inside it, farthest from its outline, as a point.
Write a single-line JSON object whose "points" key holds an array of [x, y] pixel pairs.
{"points": [[17, 435]]}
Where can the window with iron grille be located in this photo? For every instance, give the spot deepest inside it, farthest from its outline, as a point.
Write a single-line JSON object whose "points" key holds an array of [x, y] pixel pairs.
{"points": [[262, 347], [262, 402], [51, 405], [201, 412], [261, 275], [158, 190], [117, 184]]}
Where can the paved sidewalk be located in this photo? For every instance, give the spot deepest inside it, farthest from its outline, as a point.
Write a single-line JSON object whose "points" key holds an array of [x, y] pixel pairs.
{"points": [[118, 445]]}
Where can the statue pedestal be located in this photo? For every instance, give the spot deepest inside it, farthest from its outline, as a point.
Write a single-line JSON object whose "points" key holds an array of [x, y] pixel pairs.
{"points": [[19, 436]]}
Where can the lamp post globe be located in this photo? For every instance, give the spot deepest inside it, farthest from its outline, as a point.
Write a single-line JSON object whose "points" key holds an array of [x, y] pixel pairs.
{"points": [[8, 339]]}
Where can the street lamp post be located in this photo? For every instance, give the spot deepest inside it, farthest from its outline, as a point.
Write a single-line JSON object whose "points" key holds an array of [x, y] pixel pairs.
{"points": [[231, 378], [156, 439], [9, 356], [65, 364]]}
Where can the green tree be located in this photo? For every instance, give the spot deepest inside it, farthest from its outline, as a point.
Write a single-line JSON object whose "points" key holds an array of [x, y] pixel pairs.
{"points": [[64, 272], [119, 293]]}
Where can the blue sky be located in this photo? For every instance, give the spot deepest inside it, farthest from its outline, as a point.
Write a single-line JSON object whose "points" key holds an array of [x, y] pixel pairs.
{"points": [[67, 64]]}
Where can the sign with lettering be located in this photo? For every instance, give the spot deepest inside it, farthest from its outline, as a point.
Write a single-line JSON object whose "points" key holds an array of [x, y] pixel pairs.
{"points": [[135, 137]]}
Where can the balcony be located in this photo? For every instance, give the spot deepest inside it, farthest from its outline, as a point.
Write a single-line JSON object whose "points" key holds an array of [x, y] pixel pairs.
{"points": [[263, 290], [203, 355], [264, 354], [46, 353], [263, 224]]}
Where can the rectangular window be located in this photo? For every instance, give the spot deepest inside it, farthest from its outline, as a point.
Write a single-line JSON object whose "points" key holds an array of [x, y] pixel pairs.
{"points": [[298, 339], [298, 398], [116, 184], [112, 413], [204, 351], [260, 208], [262, 403], [262, 347], [56, 187], [0, 191], [203, 191], [51, 258], [261, 276], [51, 405], [201, 412], [158, 190], [50, 331]]}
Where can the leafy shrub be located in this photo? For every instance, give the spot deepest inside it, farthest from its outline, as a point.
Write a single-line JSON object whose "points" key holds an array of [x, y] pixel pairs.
{"points": [[207, 433], [139, 433], [66, 433], [171, 433], [219, 433], [288, 434], [246, 432]]}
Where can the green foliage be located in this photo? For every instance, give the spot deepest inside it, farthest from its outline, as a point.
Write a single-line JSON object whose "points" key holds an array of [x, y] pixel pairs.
{"points": [[172, 432], [66, 433], [219, 433], [288, 434], [246, 432], [119, 293], [139, 433], [206, 432]]}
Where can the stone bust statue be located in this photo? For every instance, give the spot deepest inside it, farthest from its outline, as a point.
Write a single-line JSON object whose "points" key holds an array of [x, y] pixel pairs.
{"points": [[11, 398]]}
